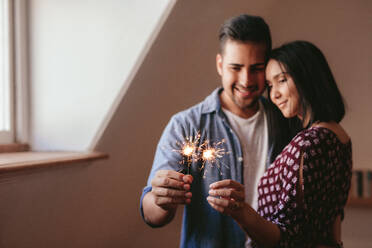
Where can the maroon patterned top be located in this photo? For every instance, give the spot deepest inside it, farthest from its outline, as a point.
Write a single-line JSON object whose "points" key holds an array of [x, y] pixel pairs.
{"points": [[305, 218]]}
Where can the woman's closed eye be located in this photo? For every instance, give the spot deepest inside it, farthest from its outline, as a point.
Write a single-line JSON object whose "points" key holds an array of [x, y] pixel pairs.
{"points": [[283, 80]]}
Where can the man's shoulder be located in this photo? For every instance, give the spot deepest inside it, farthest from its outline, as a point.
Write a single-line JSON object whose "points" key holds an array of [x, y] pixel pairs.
{"points": [[188, 118]]}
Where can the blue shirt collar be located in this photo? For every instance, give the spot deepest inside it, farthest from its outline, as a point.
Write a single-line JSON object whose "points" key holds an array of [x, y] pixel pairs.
{"points": [[212, 102]]}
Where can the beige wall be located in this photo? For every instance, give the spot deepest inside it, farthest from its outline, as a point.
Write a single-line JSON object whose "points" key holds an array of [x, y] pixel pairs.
{"points": [[179, 71], [96, 205], [82, 51], [342, 30]]}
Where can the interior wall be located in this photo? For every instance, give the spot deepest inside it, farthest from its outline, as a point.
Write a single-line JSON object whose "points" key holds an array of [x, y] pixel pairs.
{"points": [[179, 71], [96, 204], [341, 29], [81, 55]]}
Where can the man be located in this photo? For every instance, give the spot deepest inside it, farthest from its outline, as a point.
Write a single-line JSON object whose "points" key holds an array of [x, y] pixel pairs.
{"points": [[236, 114]]}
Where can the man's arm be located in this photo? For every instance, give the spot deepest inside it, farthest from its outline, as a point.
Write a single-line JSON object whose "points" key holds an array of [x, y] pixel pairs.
{"points": [[169, 189]]}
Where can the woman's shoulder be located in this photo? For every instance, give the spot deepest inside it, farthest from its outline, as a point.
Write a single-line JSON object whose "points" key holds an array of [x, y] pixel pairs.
{"points": [[334, 129], [322, 132], [317, 141], [313, 142], [304, 138]]}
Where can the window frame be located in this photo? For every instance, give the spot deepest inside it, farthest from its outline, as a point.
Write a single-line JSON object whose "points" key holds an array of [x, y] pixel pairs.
{"points": [[8, 136], [21, 71]]}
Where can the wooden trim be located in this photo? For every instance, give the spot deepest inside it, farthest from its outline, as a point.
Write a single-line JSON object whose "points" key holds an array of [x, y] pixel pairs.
{"points": [[21, 70], [356, 200], [7, 148], [20, 161]]}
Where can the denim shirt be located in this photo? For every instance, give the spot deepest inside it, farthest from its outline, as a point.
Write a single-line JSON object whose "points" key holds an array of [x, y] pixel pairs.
{"points": [[202, 225]]}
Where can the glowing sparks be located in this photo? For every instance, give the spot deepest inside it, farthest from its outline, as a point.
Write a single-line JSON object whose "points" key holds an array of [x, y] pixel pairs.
{"points": [[212, 154], [188, 150], [193, 150], [208, 154]]}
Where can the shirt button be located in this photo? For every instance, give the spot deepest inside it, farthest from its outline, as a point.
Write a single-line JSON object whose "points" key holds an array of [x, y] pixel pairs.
{"points": [[240, 159]]}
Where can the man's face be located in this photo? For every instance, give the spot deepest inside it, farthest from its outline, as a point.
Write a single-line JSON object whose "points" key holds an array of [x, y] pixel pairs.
{"points": [[242, 70]]}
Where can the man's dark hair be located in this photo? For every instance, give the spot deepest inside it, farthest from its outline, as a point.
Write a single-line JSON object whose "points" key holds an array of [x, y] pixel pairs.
{"points": [[319, 95], [245, 28]]}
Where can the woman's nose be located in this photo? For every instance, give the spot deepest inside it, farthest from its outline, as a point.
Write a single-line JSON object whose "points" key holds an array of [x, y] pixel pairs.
{"points": [[274, 93]]}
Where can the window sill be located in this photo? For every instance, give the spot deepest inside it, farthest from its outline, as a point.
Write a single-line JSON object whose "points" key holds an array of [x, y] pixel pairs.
{"points": [[19, 161], [15, 147]]}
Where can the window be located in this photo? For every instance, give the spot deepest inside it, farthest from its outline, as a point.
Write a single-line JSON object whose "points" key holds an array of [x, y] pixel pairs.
{"points": [[6, 79]]}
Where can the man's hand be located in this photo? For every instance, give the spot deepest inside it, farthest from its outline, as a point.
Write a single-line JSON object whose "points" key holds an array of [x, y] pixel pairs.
{"points": [[171, 188]]}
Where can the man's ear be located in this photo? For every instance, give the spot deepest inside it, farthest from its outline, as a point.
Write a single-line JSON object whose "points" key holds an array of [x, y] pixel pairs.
{"points": [[219, 63]]}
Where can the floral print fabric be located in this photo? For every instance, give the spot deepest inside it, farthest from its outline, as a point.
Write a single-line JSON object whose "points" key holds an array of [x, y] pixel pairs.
{"points": [[305, 211]]}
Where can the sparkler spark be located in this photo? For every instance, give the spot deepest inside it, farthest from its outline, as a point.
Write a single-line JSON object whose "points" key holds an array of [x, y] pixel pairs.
{"points": [[189, 150], [208, 154], [193, 150], [212, 154]]}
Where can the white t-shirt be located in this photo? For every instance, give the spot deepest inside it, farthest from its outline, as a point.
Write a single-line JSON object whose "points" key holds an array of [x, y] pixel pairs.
{"points": [[253, 136]]}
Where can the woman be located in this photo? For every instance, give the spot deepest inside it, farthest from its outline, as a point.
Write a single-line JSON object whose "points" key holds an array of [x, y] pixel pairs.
{"points": [[303, 193]]}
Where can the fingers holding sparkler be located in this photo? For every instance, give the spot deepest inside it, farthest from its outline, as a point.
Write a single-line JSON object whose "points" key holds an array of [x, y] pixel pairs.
{"points": [[227, 193], [227, 196], [172, 179], [170, 188], [226, 206], [227, 183], [227, 188]]}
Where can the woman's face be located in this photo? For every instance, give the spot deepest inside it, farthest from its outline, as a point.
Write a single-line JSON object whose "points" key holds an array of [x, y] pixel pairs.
{"points": [[283, 91]]}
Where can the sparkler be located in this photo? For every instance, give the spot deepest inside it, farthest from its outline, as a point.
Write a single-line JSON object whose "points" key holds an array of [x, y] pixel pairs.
{"points": [[192, 151], [212, 153], [189, 149]]}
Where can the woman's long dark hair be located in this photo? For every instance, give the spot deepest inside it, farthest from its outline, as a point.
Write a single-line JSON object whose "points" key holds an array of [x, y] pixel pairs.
{"points": [[320, 97]]}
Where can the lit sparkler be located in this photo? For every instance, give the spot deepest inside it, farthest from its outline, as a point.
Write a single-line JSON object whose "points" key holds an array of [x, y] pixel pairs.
{"points": [[189, 150], [212, 154], [192, 151]]}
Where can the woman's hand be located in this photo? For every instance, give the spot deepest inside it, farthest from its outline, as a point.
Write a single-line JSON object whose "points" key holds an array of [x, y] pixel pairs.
{"points": [[227, 196]]}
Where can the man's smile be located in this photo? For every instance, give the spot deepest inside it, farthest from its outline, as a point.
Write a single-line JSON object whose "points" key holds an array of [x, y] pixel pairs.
{"points": [[246, 91]]}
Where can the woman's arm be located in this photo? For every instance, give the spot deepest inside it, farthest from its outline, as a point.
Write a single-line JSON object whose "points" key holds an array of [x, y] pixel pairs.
{"points": [[227, 196]]}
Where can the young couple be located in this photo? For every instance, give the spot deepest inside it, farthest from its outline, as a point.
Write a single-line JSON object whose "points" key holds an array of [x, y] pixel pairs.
{"points": [[285, 180]]}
